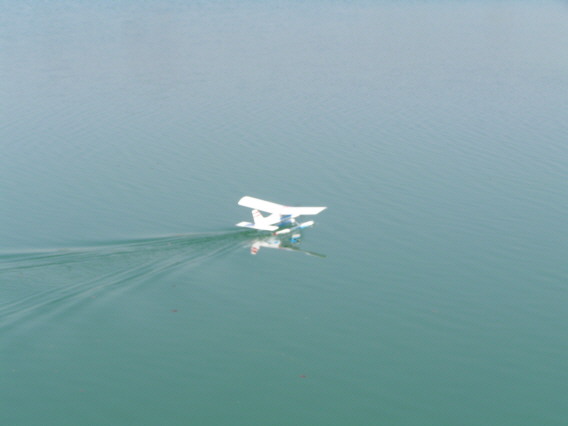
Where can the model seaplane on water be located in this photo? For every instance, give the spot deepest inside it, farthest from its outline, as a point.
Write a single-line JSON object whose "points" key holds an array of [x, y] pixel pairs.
{"points": [[280, 221]]}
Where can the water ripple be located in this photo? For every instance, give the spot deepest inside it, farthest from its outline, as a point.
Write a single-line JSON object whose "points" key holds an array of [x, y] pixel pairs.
{"points": [[40, 283]]}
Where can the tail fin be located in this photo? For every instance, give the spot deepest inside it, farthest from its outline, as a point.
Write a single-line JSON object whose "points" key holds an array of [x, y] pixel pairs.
{"points": [[258, 217]]}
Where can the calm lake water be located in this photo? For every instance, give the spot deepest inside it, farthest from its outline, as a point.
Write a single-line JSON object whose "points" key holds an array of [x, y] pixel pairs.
{"points": [[436, 134]]}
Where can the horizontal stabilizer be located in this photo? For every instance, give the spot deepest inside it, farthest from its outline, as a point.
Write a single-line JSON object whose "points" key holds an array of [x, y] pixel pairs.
{"points": [[256, 226]]}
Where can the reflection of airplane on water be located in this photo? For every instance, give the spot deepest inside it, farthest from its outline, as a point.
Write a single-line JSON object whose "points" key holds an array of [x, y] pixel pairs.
{"points": [[286, 230], [288, 242]]}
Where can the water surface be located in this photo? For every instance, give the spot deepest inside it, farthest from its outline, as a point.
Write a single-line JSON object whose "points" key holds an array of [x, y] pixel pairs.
{"points": [[434, 132]]}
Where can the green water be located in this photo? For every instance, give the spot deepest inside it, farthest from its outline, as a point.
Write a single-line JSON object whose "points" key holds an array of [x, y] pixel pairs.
{"points": [[434, 132]]}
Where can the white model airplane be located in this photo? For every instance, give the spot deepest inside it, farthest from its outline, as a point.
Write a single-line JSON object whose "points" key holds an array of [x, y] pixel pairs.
{"points": [[280, 216]]}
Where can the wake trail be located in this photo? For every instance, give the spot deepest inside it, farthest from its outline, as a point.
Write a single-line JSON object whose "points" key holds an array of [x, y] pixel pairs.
{"points": [[44, 282]]}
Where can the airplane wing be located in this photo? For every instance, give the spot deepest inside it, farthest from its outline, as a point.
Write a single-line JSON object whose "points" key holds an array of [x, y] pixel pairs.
{"points": [[267, 206], [255, 203]]}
